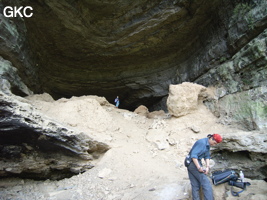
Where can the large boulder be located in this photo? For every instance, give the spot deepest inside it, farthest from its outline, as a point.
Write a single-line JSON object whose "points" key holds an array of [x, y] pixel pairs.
{"points": [[184, 98], [142, 110]]}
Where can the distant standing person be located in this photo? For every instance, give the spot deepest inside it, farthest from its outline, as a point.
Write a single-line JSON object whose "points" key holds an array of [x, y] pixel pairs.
{"points": [[196, 172], [117, 101]]}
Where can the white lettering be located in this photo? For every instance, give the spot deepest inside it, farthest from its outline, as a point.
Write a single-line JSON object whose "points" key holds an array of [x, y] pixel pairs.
{"points": [[17, 11], [8, 11], [22, 12]]}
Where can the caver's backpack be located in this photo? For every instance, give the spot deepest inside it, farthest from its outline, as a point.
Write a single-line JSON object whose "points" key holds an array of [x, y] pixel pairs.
{"points": [[220, 177], [231, 177]]}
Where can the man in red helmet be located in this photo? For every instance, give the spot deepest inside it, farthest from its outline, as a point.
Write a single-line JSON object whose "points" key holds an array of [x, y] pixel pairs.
{"points": [[196, 172]]}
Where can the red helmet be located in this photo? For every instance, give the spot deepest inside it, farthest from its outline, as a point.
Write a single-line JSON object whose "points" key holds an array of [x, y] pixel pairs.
{"points": [[217, 137]]}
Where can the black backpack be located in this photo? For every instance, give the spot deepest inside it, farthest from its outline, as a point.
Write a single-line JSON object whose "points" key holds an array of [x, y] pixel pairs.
{"points": [[230, 176]]}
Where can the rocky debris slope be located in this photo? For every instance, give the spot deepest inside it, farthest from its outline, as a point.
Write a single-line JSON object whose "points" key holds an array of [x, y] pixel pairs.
{"points": [[146, 157]]}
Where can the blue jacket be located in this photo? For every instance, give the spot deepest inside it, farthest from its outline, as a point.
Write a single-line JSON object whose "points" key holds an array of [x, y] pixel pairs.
{"points": [[201, 149]]}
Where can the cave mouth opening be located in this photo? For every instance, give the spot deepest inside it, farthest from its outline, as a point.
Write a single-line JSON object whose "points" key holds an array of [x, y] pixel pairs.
{"points": [[152, 103], [127, 101]]}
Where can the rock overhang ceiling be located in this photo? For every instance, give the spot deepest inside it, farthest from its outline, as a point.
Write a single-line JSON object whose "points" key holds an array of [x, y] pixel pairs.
{"points": [[128, 48]]}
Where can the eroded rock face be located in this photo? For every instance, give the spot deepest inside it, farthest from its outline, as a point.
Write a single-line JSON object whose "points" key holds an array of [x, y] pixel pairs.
{"points": [[34, 146], [241, 87], [15, 53], [10, 80], [246, 151], [245, 141]]}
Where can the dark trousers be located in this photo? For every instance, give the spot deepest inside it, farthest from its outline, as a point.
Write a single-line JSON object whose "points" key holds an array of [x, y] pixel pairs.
{"points": [[199, 180]]}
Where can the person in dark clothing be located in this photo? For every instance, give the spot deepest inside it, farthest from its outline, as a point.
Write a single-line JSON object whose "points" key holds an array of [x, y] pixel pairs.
{"points": [[196, 172]]}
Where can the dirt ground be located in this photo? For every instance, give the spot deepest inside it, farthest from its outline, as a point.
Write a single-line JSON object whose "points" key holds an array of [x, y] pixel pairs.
{"points": [[145, 161]]}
